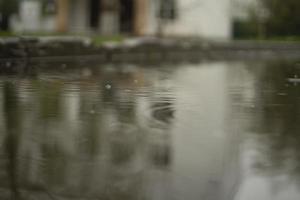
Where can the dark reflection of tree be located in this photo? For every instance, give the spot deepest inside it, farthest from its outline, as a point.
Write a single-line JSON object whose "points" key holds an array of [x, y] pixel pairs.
{"points": [[13, 123], [278, 124]]}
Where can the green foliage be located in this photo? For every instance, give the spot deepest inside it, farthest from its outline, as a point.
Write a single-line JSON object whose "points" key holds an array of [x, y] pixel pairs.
{"points": [[98, 40], [271, 20], [244, 29], [4, 34], [282, 18], [8, 7]]}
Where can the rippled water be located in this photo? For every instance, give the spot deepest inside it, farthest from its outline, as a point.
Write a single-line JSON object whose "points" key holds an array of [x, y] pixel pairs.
{"points": [[210, 131]]}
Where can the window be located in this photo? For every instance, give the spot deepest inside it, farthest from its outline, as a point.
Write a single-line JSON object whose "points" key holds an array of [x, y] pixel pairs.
{"points": [[49, 7], [168, 9]]}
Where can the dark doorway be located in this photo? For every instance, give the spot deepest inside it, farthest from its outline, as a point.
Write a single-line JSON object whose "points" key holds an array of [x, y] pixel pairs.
{"points": [[126, 16], [4, 22], [95, 8]]}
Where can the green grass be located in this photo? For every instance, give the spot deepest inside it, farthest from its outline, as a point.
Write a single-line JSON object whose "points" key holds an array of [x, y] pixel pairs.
{"points": [[272, 39], [34, 34], [286, 38], [4, 34], [98, 40]]}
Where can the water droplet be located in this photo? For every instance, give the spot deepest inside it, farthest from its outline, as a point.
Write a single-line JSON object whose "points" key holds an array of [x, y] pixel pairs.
{"points": [[282, 94], [108, 86], [92, 112], [136, 81], [86, 72], [64, 65], [8, 64], [295, 80]]}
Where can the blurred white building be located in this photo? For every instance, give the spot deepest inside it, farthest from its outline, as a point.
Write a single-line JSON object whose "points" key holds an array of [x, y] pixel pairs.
{"points": [[201, 18], [33, 17]]}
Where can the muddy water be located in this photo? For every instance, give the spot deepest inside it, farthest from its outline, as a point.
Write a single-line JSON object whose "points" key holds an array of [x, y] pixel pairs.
{"points": [[210, 131]]}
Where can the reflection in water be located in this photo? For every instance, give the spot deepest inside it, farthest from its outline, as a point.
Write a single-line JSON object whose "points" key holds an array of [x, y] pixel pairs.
{"points": [[12, 122], [272, 122], [279, 123], [214, 131]]}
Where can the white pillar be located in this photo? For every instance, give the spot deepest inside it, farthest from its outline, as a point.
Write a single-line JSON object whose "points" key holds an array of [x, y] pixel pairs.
{"points": [[110, 23]]}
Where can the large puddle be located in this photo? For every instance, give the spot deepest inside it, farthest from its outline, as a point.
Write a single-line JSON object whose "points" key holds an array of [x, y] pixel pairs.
{"points": [[210, 131]]}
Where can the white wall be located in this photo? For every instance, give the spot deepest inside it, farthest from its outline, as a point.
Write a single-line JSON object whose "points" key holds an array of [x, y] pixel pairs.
{"points": [[30, 18], [203, 18], [79, 16], [30, 15]]}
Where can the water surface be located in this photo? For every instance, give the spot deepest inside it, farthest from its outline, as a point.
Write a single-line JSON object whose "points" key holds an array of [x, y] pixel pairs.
{"points": [[209, 131]]}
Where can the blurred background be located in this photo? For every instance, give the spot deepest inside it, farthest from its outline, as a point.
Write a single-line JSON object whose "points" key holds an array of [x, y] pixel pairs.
{"points": [[181, 99], [206, 19]]}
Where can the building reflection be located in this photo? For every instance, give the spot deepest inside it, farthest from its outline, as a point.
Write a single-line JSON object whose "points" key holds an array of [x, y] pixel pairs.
{"points": [[268, 113], [11, 140], [82, 139], [162, 116], [276, 116]]}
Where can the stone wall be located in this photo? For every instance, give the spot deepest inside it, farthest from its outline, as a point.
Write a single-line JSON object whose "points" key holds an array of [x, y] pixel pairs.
{"points": [[52, 49]]}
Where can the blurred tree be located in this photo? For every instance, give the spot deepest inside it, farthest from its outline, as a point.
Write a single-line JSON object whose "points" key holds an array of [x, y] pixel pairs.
{"points": [[7, 8], [282, 17], [269, 19]]}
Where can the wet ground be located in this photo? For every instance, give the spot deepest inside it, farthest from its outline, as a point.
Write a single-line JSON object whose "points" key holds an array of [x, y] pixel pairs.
{"points": [[209, 131]]}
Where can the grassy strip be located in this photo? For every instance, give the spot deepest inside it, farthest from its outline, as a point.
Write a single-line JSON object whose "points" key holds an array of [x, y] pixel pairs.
{"points": [[97, 40], [4, 34], [271, 39]]}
